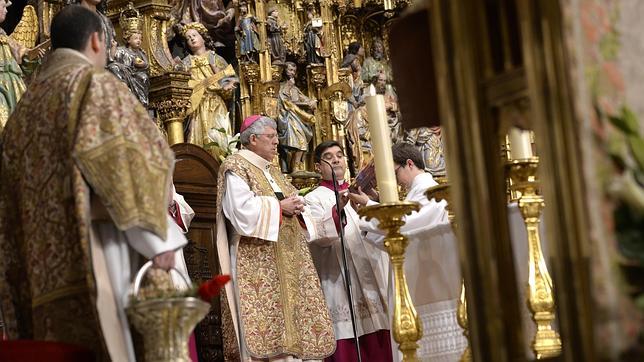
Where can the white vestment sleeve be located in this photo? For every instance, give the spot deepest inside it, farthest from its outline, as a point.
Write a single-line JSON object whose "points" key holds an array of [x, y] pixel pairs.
{"points": [[319, 220], [149, 244], [251, 215], [186, 212]]}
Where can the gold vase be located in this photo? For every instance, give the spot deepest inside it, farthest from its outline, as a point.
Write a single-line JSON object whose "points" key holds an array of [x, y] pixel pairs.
{"points": [[165, 323]]}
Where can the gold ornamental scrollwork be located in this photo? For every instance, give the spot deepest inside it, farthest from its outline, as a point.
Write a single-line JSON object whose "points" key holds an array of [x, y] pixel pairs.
{"points": [[268, 92], [170, 98], [523, 174], [171, 114], [407, 327], [338, 94]]}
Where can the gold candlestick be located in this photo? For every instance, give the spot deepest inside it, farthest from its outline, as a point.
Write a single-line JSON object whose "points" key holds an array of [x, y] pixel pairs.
{"points": [[406, 324], [523, 173], [441, 192]]}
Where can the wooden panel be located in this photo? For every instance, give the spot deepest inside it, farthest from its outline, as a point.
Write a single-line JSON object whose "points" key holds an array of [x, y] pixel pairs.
{"points": [[195, 177]]}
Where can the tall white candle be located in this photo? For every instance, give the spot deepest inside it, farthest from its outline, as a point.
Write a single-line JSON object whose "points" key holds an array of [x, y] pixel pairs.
{"points": [[520, 144], [381, 146]]}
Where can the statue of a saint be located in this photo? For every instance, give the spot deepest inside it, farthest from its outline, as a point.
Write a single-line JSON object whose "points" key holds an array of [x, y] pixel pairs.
{"points": [[130, 63], [247, 36], [357, 127], [429, 142], [294, 121], [391, 105], [355, 52], [213, 81], [376, 63], [275, 35], [313, 43], [14, 58]]}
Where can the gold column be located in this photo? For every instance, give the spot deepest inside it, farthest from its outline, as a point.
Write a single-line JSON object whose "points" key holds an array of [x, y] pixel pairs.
{"points": [[170, 98], [265, 70], [523, 173], [407, 327]]}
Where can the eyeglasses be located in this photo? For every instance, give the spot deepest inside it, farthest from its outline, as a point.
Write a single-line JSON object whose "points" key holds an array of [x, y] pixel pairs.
{"points": [[270, 136], [396, 170]]}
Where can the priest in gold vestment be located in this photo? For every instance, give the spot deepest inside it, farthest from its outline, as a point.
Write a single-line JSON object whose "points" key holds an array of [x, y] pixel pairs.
{"points": [[84, 188], [278, 308]]}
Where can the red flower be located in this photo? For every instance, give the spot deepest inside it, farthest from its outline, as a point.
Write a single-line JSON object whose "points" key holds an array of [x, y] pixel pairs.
{"points": [[210, 289]]}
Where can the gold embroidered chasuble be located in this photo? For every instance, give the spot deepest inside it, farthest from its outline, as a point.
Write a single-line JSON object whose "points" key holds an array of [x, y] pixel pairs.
{"points": [[278, 297], [77, 133]]}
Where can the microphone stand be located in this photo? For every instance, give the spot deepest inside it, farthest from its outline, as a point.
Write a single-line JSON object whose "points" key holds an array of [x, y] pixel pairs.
{"points": [[347, 274]]}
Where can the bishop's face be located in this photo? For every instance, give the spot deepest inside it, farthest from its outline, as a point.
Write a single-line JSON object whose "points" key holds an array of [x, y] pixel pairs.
{"points": [[195, 40]]}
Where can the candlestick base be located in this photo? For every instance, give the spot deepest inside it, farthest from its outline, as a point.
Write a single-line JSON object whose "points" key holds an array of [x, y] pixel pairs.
{"points": [[407, 327], [524, 176]]}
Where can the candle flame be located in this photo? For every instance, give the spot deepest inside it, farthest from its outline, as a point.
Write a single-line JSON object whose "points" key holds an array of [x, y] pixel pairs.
{"points": [[372, 91]]}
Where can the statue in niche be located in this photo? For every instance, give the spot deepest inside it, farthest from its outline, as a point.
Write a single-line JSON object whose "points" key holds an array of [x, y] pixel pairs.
{"points": [[247, 36], [357, 126], [216, 17], [313, 41], [275, 35], [391, 105], [213, 82], [294, 122], [376, 63], [429, 142], [130, 63]]}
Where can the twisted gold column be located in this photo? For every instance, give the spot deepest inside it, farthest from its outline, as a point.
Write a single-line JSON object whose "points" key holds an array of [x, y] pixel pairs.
{"points": [[441, 192], [523, 173], [406, 324]]}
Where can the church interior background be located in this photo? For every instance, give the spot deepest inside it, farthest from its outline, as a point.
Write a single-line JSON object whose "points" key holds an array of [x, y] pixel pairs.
{"points": [[469, 83]]}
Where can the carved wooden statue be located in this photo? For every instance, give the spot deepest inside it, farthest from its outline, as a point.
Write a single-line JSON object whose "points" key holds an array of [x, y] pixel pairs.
{"points": [[294, 122], [247, 35], [130, 63], [16, 59], [313, 41], [376, 63], [275, 35], [213, 82]]}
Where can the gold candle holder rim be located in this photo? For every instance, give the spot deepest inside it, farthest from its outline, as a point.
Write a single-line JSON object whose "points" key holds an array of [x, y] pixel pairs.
{"points": [[376, 211], [522, 161]]}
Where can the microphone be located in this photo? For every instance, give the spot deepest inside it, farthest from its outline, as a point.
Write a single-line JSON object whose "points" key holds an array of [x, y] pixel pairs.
{"points": [[347, 274]]}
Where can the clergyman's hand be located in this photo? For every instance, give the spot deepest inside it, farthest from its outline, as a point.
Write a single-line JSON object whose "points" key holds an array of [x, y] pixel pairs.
{"points": [[164, 260], [344, 199], [359, 198], [292, 205]]}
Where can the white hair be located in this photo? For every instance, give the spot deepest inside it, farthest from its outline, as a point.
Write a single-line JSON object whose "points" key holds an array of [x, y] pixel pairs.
{"points": [[256, 128]]}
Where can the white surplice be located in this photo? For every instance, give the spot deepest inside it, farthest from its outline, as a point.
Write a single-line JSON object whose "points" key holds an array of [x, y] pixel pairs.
{"points": [[115, 257], [187, 214], [244, 209], [368, 265], [433, 273]]}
